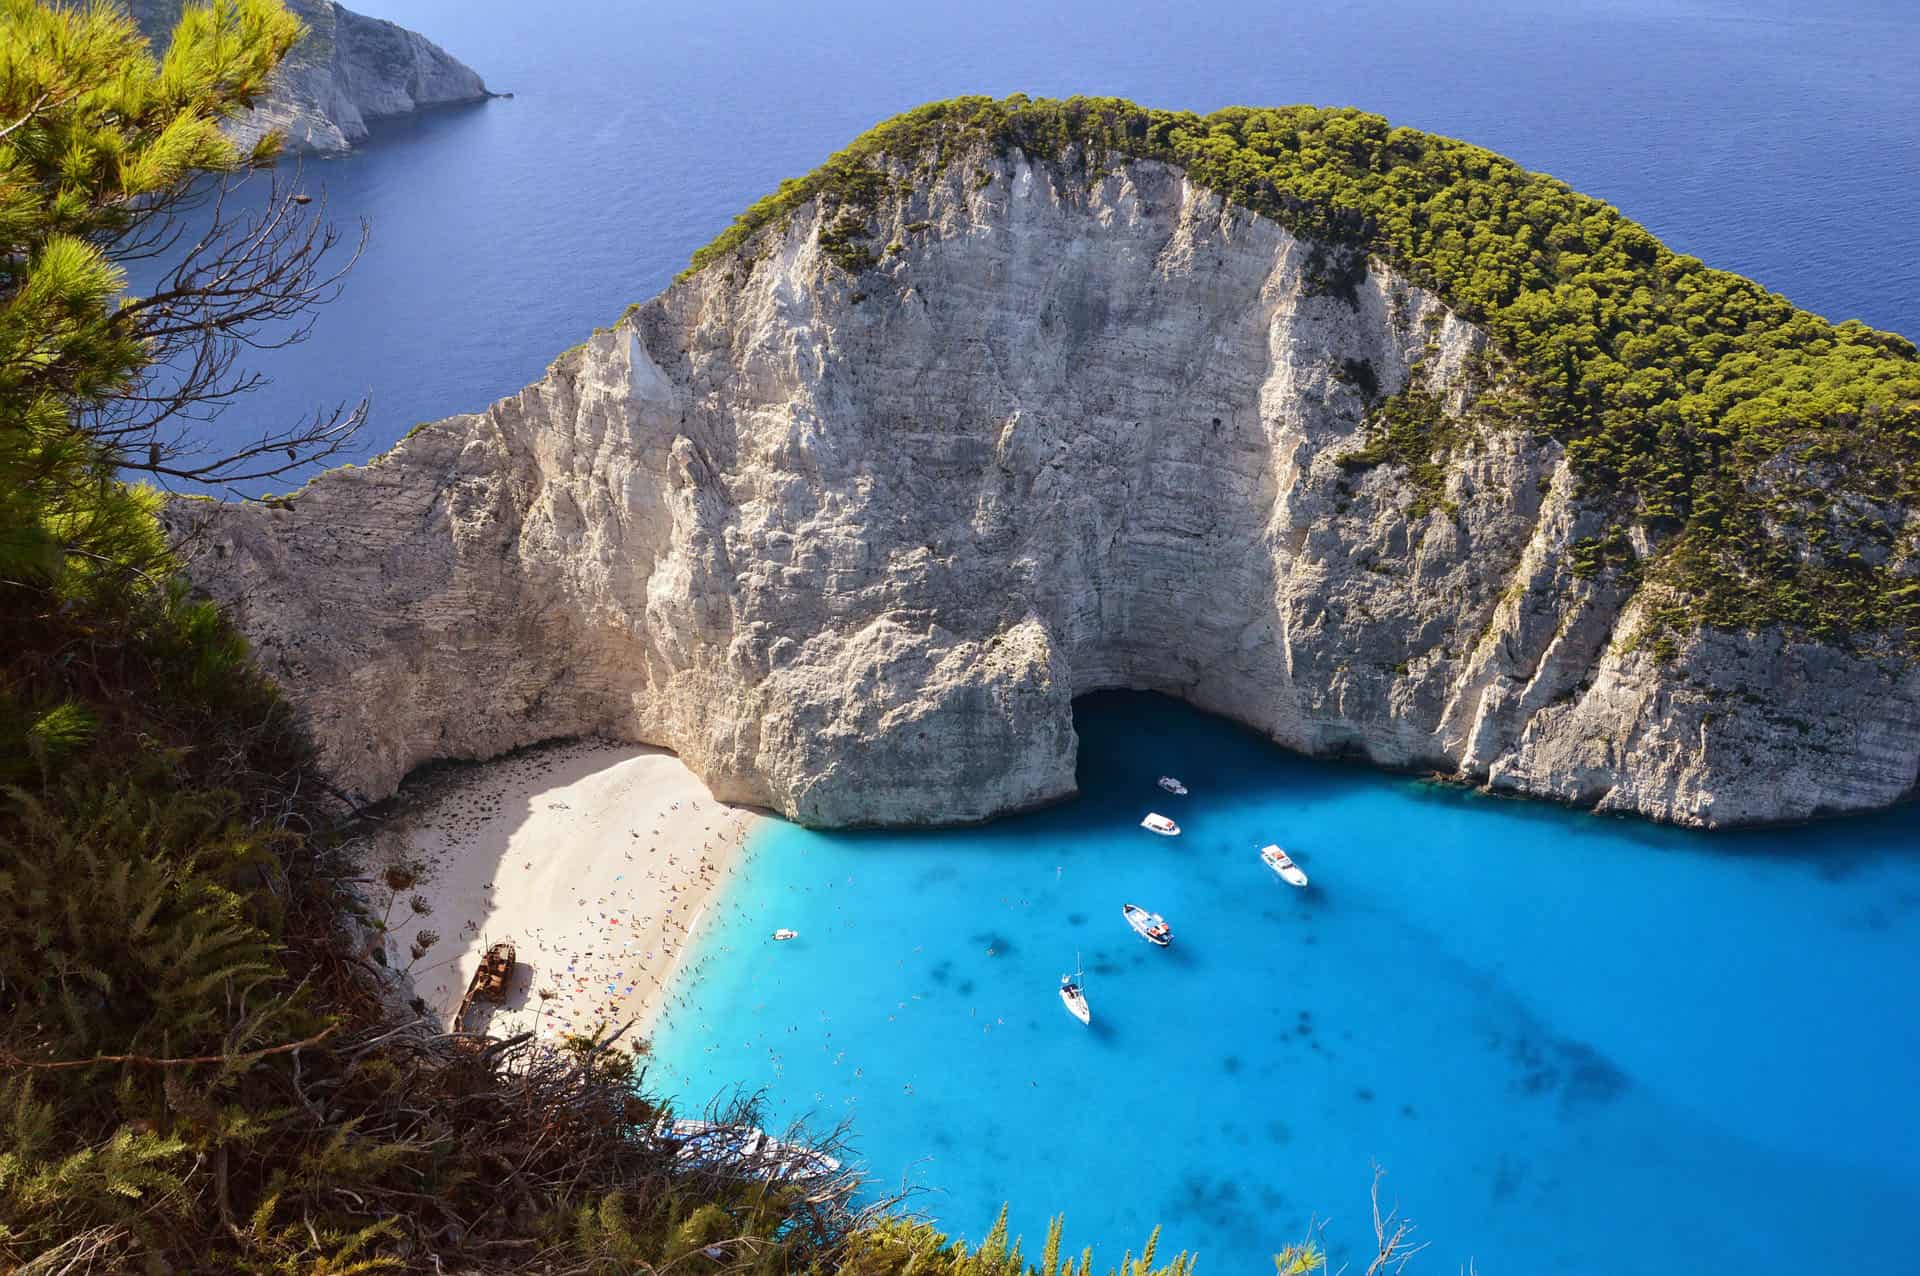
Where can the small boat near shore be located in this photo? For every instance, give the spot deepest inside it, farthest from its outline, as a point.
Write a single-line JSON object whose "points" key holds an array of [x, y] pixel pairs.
{"points": [[1277, 860], [1158, 823], [1151, 927], [783, 935], [1173, 786]]}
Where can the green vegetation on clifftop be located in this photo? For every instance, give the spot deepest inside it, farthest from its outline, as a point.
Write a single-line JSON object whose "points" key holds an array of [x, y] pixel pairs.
{"points": [[1685, 396]]}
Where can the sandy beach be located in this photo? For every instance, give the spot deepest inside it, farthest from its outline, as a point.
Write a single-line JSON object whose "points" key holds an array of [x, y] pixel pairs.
{"points": [[596, 861]]}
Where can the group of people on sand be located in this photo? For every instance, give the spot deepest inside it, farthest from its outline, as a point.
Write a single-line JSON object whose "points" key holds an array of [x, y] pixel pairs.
{"points": [[617, 953]]}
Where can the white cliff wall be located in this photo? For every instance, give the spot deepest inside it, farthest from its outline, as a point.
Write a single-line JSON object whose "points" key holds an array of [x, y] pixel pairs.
{"points": [[851, 545]]}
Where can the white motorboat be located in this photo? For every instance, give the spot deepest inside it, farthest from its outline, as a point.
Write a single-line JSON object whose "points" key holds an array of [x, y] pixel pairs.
{"points": [[1173, 786], [783, 934], [1158, 823], [1151, 927], [1074, 998], [1276, 859]]}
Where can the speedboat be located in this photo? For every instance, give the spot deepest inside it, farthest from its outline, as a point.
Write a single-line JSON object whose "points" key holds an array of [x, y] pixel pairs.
{"points": [[1276, 859], [1074, 998], [1173, 786], [1151, 927], [783, 934], [1158, 823]]}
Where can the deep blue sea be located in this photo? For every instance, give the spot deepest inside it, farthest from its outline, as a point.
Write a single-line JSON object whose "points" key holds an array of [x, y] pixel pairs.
{"points": [[1575, 1045], [1778, 138]]}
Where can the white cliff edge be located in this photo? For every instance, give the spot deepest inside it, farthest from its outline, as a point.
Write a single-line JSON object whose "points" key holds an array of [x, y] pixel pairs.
{"points": [[850, 546]]}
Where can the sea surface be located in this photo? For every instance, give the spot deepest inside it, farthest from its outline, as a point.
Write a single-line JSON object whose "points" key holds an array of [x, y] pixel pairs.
{"points": [[1778, 138], [1573, 1044]]}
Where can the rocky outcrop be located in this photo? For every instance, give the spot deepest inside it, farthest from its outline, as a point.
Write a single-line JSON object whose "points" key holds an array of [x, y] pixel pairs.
{"points": [[347, 70], [851, 545]]}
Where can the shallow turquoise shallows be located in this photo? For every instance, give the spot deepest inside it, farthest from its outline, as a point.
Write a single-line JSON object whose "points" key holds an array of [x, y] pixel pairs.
{"points": [[1574, 1044]]}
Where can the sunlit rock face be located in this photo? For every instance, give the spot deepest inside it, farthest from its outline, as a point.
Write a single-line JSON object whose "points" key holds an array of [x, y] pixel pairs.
{"points": [[851, 545]]}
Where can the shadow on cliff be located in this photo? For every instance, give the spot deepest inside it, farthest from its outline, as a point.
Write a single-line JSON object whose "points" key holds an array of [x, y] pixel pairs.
{"points": [[1128, 739], [1121, 732]]}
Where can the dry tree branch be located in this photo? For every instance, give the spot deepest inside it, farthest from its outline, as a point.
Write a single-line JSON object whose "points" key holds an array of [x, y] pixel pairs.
{"points": [[148, 1061], [1393, 1234], [96, 1249], [250, 279]]}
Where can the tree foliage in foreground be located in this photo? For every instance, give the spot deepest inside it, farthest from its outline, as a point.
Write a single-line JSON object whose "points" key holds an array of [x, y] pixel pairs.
{"points": [[1774, 455], [198, 1069]]}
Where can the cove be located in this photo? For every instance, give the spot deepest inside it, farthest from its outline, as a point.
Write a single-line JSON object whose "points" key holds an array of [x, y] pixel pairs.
{"points": [[1574, 1044]]}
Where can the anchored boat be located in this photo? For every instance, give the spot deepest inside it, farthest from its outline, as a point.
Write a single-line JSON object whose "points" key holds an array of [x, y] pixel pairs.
{"points": [[783, 934], [1158, 823], [1074, 997], [1173, 786], [1151, 927], [1276, 859]]}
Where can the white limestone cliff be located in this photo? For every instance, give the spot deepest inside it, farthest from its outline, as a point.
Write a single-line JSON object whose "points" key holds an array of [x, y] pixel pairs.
{"points": [[347, 70], [850, 545]]}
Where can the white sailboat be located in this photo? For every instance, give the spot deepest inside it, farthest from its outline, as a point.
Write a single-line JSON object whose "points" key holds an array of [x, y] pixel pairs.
{"points": [[1073, 996], [1276, 859], [1158, 823]]}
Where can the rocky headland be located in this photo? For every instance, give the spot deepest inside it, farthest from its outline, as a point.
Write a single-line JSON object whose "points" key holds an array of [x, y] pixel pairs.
{"points": [[348, 69], [850, 514]]}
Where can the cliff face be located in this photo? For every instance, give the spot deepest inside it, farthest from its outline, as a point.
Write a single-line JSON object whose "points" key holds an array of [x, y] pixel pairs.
{"points": [[349, 69], [850, 546]]}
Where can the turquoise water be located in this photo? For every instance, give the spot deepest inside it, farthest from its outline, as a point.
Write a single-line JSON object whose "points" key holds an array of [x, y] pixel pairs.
{"points": [[1574, 1044]]}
